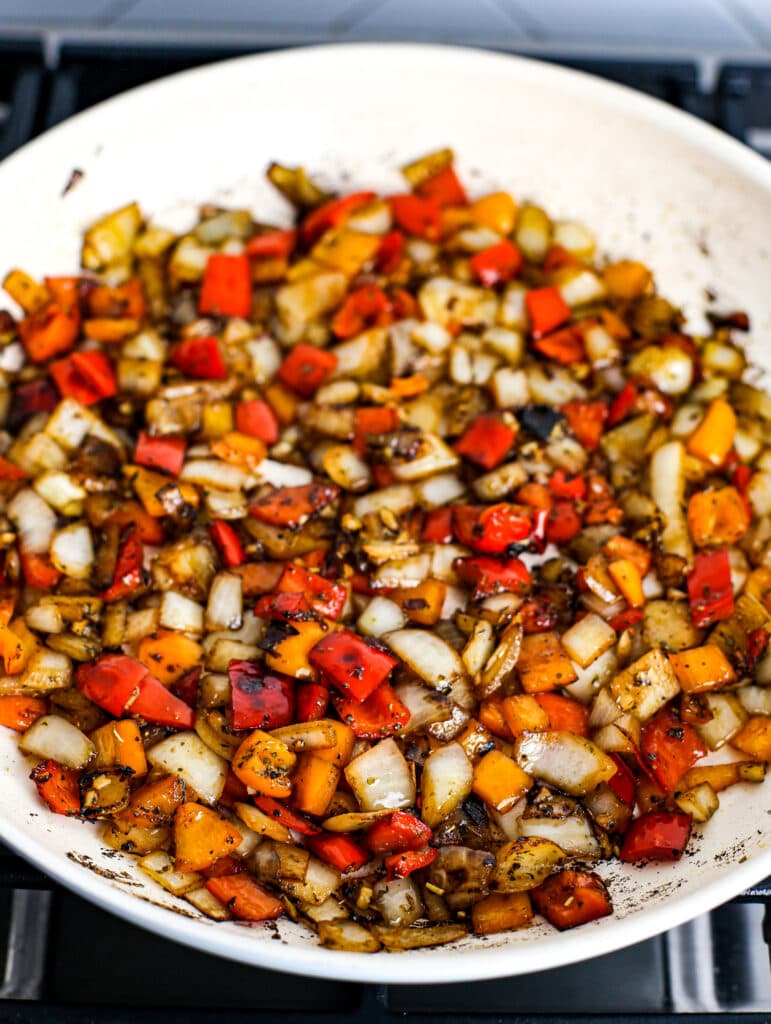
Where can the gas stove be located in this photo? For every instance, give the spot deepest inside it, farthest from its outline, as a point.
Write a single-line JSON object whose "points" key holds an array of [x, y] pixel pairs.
{"points": [[67, 962]]}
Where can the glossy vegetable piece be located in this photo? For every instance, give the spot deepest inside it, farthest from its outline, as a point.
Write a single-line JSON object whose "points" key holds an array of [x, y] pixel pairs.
{"points": [[128, 576], [565, 714], [323, 596], [496, 264], [169, 654], [714, 437], [543, 664], [165, 453], [492, 575], [200, 358], [499, 781], [546, 309], [354, 666], [586, 421], [201, 837], [306, 368], [228, 543], [397, 833], [292, 506], [366, 307], [19, 713], [314, 783], [257, 419], [381, 714], [437, 526], [709, 588], [263, 763], [657, 835], [49, 332], [402, 865], [670, 747], [260, 699], [702, 668], [565, 346], [444, 188], [285, 815], [88, 377], [112, 683], [340, 851], [717, 517], [417, 215], [311, 702], [491, 529], [571, 898], [486, 442], [501, 912], [226, 289], [58, 787], [332, 214], [245, 898]]}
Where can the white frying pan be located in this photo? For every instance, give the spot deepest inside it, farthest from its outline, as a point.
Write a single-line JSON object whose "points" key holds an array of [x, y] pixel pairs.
{"points": [[653, 183]]}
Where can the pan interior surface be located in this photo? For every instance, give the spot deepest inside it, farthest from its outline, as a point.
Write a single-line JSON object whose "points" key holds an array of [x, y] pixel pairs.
{"points": [[653, 184]]}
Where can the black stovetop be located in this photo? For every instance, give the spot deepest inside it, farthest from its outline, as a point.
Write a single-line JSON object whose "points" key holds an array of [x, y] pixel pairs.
{"points": [[66, 962]]}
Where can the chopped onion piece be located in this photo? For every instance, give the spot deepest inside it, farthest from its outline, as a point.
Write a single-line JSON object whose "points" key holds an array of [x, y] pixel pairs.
{"points": [[53, 737], [380, 778]]}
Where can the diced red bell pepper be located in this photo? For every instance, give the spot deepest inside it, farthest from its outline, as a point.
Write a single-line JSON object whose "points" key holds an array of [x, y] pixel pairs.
{"points": [[486, 442], [709, 588], [166, 453], [401, 865], [567, 485], [565, 347], [156, 704], [382, 714], [257, 419], [535, 495], [128, 575], [404, 303], [285, 815], [339, 850], [283, 606], [354, 666], [226, 289], [563, 522], [629, 617], [58, 787], [186, 688], [235, 792], [245, 898], [490, 529], [228, 543], [200, 358], [10, 472], [417, 216], [366, 307], [112, 682], [372, 422], [444, 188], [38, 571], [291, 506], [623, 783], [565, 714], [261, 699], [311, 702], [35, 396], [622, 404], [571, 898], [324, 597], [741, 475], [389, 255], [587, 421], [306, 368], [546, 309], [87, 377], [492, 575], [332, 214], [69, 291], [398, 833], [49, 332], [657, 835], [496, 264], [538, 615], [274, 244], [670, 747], [437, 527]]}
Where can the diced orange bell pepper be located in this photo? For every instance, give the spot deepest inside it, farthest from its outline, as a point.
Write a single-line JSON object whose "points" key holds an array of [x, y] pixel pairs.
{"points": [[109, 330], [125, 300], [423, 603], [346, 250], [282, 401], [131, 513], [754, 738], [58, 787], [168, 655], [314, 783], [626, 576], [501, 912], [49, 332], [491, 715], [714, 437], [409, 387], [19, 713], [702, 668], [289, 654], [627, 279], [522, 713], [239, 450], [487, 441], [17, 645], [543, 664], [623, 547], [226, 289], [119, 745], [263, 763], [26, 291], [257, 419], [259, 577], [155, 803], [496, 211], [565, 714], [340, 753], [717, 517], [38, 571], [547, 310], [499, 781], [719, 776], [202, 837]]}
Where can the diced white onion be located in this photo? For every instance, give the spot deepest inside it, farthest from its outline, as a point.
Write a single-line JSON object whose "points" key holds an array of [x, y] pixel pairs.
{"points": [[446, 782], [34, 520], [72, 551], [179, 612], [380, 616], [55, 738], [572, 763], [225, 606], [380, 778], [185, 754]]}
